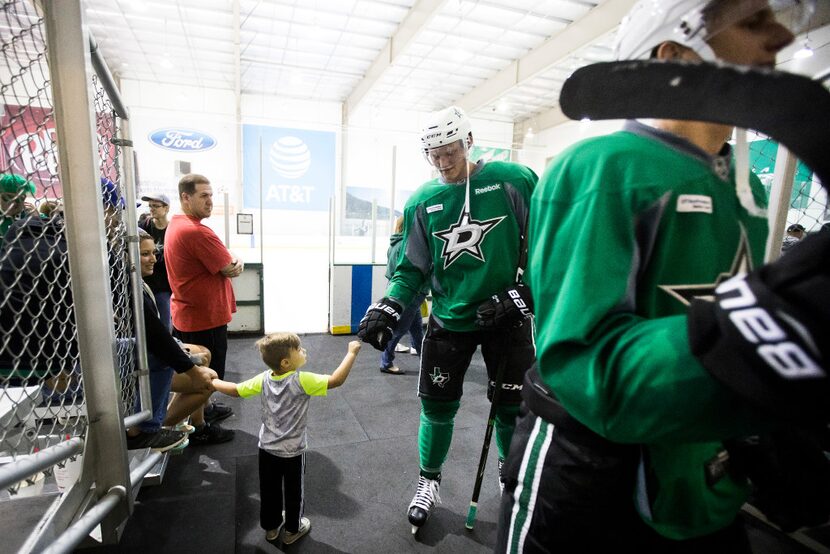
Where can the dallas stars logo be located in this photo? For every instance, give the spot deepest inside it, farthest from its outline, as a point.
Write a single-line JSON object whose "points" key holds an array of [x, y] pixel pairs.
{"points": [[465, 237], [740, 265], [439, 377]]}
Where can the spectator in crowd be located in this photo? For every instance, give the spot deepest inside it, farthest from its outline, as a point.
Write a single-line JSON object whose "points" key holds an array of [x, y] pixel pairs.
{"points": [[156, 225], [795, 233], [171, 368], [36, 305], [410, 321], [13, 192], [285, 394], [199, 268]]}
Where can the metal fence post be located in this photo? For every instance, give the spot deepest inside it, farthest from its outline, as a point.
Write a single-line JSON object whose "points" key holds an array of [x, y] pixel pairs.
{"points": [[106, 453]]}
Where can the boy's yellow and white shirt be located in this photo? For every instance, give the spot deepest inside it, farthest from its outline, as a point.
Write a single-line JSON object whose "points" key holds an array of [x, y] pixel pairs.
{"points": [[284, 408]]}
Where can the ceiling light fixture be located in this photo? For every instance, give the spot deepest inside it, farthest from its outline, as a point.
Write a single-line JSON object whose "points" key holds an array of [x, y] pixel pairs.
{"points": [[805, 51]]}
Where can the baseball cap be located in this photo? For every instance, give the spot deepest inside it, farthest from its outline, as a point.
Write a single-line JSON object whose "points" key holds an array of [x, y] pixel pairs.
{"points": [[112, 197], [158, 197], [12, 183], [795, 227]]}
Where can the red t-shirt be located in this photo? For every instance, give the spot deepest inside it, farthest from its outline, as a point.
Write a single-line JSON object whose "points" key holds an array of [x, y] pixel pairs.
{"points": [[202, 297]]}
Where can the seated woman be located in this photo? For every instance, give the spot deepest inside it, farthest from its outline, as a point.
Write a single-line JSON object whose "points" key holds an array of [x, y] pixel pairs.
{"points": [[169, 365], [171, 368]]}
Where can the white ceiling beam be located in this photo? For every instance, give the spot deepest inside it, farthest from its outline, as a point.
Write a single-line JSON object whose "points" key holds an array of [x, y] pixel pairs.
{"points": [[415, 21], [597, 22], [541, 121]]}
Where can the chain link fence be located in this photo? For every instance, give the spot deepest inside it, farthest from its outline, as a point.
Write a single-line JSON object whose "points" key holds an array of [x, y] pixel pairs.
{"points": [[807, 205], [41, 388], [114, 212], [42, 393]]}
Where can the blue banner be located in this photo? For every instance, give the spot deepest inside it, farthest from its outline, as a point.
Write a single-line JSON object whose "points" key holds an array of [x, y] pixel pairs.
{"points": [[297, 168]]}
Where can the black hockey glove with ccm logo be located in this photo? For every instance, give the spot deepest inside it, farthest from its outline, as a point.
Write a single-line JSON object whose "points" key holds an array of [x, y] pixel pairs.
{"points": [[379, 323], [509, 308], [767, 334]]}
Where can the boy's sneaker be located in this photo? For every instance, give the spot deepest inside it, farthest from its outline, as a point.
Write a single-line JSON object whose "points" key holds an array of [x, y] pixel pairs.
{"points": [[217, 412], [211, 433], [162, 441], [305, 526], [401, 348], [273, 535]]}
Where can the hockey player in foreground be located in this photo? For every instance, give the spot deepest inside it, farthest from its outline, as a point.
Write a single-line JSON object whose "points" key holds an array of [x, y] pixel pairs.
{"points": [[463, 237], [621, 444]]}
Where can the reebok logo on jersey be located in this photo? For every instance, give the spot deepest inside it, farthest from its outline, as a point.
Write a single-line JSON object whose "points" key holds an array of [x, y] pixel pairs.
{"points": [[490, 188], [435, 208], [694, 203]]}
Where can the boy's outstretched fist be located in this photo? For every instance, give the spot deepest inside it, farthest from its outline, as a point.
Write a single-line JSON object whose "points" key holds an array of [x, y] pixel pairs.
{"points": [[354, 347]]}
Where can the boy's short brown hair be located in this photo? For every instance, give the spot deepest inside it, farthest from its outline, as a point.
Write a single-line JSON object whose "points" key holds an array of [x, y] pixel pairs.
{"points": [[276, 347]]}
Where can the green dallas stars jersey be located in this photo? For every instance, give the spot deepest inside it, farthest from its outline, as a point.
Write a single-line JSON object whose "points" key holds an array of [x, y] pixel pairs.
{"points": [[624, 230], [463, 261]]}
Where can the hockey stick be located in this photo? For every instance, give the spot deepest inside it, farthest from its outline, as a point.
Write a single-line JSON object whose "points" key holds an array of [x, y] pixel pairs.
{"points": [[488, 434], [491, 417], [792, 109]]}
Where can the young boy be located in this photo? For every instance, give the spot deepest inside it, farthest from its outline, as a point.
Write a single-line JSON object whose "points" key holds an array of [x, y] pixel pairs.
{"points": [[282, 438]]}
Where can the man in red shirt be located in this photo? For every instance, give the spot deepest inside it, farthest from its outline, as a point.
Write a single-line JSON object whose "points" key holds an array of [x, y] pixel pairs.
{"points": [[199, 268]]}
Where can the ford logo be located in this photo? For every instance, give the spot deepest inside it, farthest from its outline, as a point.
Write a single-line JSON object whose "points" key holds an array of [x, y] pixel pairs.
{"points": [[182, 140]]}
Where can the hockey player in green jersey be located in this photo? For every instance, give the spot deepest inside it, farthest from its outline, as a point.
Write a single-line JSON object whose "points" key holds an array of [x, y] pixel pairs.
{"points": [[463, 237], [619, 447]]}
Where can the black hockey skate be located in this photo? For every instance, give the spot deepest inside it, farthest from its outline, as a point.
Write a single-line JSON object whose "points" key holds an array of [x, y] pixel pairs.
{"points": [[424, 501]]}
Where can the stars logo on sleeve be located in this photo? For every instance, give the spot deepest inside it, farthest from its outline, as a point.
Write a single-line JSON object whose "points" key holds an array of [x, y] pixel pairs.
{"points": [[740, 265], [465, 237]]}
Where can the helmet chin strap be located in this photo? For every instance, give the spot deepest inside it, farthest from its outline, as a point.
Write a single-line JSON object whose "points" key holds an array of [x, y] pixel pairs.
{"points": [[466, 215], [742, 187]]}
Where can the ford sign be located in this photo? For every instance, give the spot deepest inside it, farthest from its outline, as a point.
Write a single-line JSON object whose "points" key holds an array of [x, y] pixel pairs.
{"points": [[182, 140]]}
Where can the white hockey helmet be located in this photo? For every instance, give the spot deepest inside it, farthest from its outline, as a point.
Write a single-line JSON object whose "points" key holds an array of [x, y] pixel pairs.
{"points": [[692, 22], [444, 127]]}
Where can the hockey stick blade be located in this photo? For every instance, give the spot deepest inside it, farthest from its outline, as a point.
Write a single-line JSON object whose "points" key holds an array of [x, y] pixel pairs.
{"points": [[792, 109]]}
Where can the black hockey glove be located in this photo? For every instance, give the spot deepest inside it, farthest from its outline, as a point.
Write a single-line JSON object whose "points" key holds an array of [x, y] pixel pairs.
{"points": [[766, 334], [380, 321], [790, 476], [509, 308]]}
